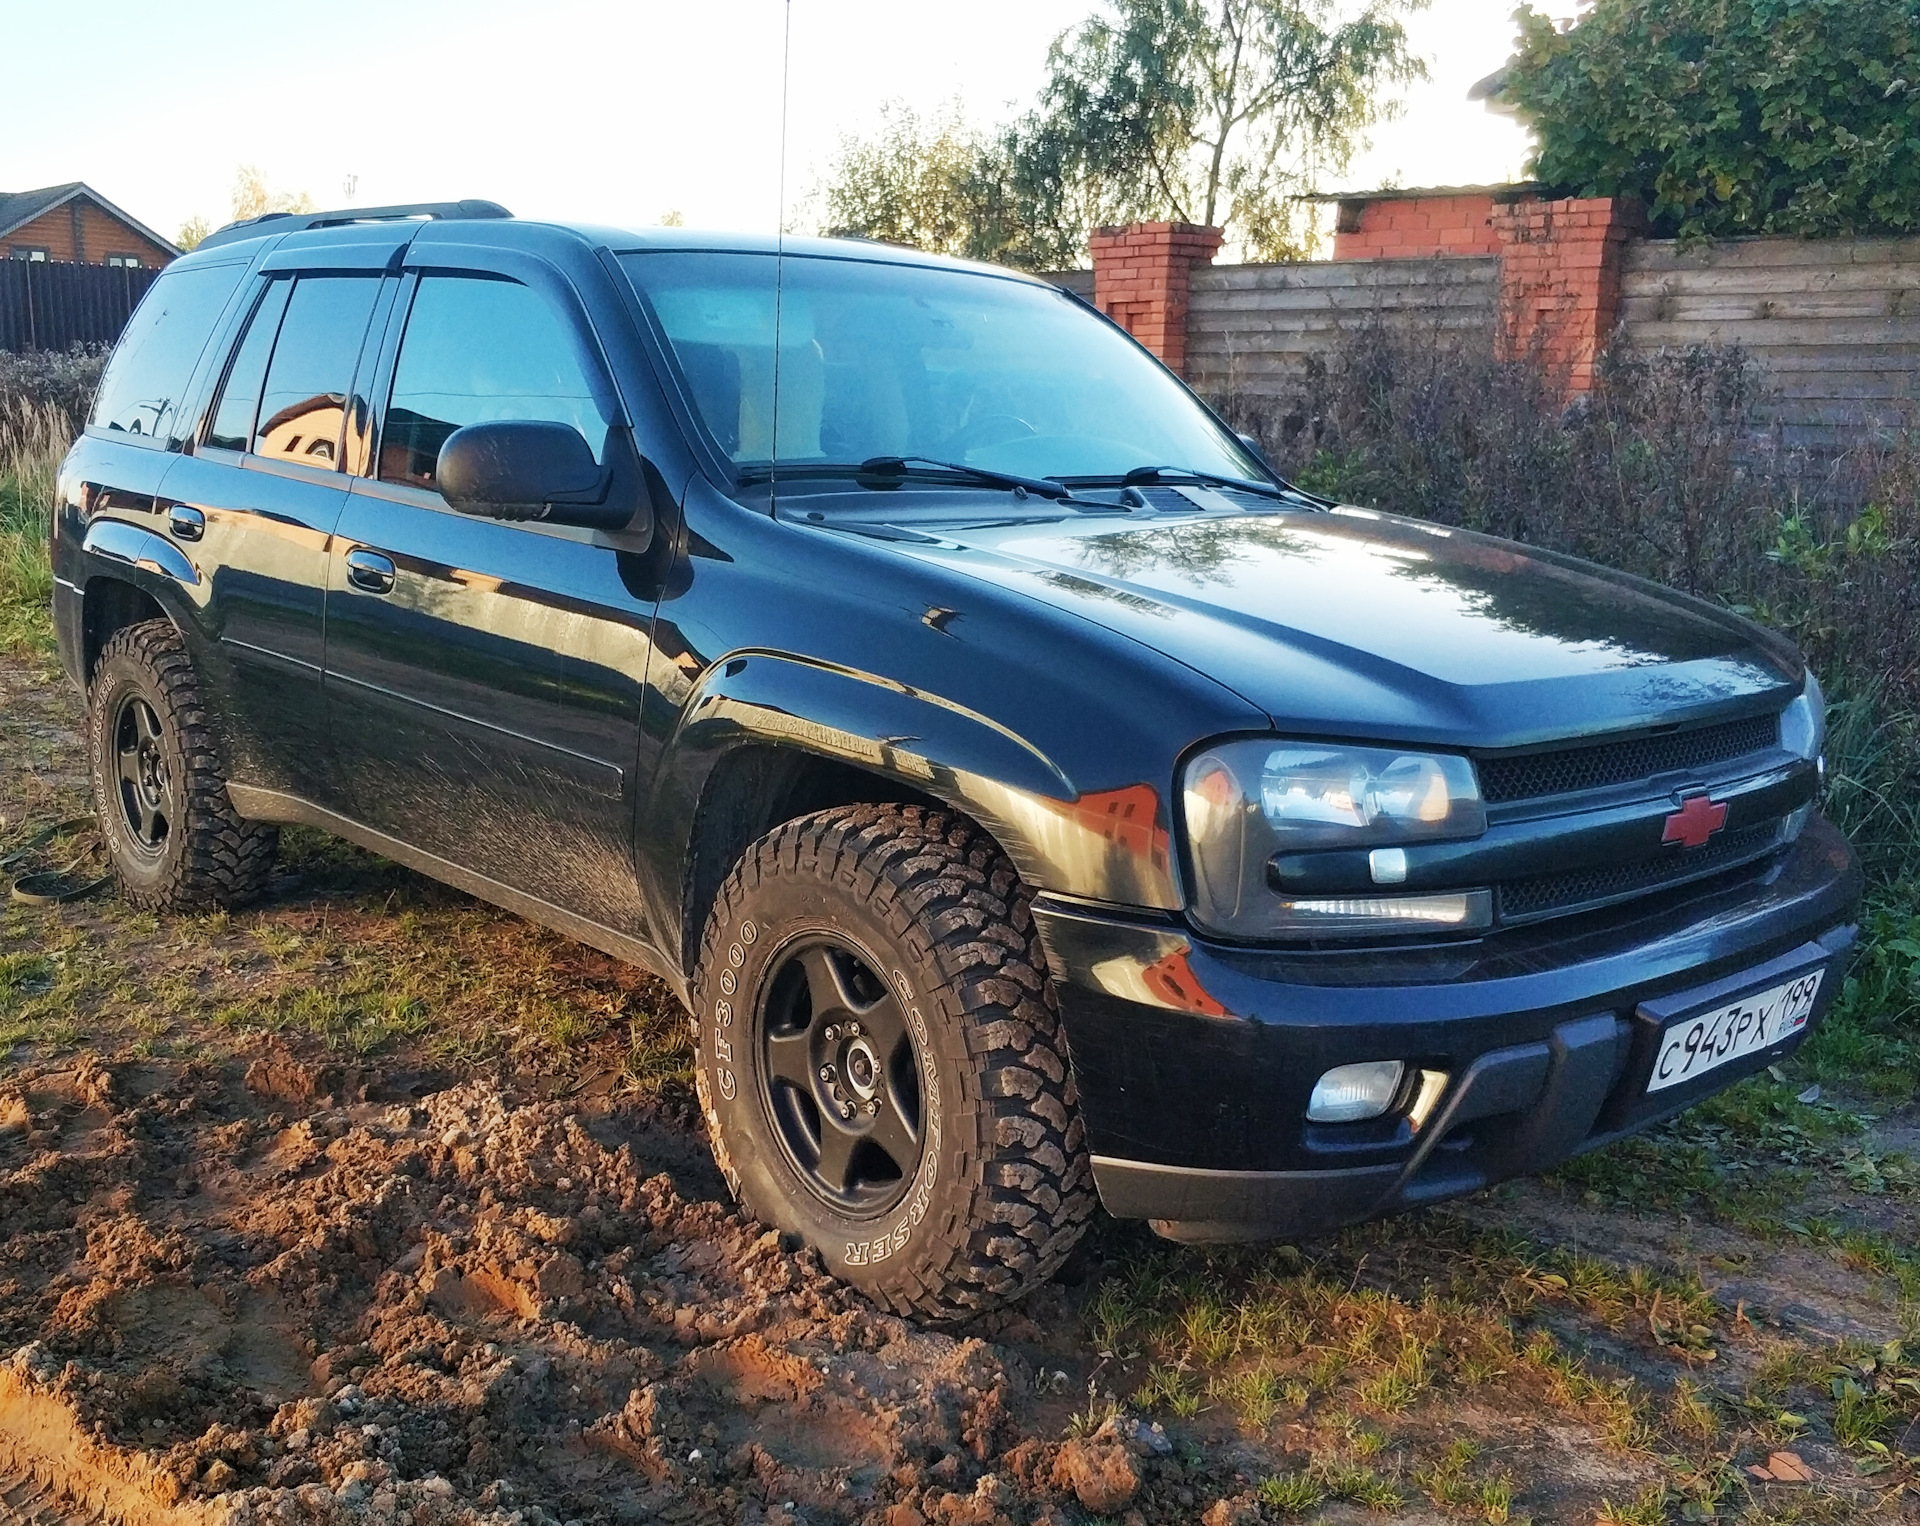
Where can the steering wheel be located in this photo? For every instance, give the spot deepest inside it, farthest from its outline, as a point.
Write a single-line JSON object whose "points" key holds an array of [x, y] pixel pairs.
{"points": [[993, 429]]}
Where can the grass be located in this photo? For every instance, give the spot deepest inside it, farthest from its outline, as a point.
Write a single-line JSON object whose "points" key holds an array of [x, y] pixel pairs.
{"points": [[32, 441], [349, 954], [1367, 1354]]}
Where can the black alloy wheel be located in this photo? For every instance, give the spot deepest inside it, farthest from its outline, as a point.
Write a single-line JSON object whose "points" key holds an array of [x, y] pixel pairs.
{"points": [[840, 1076], [147, 805]]}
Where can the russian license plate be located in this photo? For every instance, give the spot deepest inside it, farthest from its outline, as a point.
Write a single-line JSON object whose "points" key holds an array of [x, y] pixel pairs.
{"points": [[1692, 1046]]}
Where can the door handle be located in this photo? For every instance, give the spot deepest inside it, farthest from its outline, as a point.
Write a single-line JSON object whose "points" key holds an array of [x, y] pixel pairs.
{"points": [[186, 523], [369, 571]]}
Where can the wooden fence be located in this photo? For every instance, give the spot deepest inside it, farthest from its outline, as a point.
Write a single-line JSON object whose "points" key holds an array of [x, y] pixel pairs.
{"points": [[51, 305], [1833, 324], [1252, 328]]}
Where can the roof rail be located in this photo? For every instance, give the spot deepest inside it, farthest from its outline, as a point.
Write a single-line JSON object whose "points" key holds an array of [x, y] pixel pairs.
{"points": [[295, 222]]}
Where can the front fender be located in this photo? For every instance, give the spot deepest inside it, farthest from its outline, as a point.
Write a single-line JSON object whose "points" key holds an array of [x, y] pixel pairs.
{"points": [[1108, 845]]}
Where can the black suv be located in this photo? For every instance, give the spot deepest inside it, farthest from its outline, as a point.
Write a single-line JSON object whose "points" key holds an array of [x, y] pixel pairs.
{"points": [[1035, 800]]}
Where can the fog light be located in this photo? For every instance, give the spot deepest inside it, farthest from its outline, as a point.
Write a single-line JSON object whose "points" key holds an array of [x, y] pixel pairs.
{"points": [[1351, 1093]]}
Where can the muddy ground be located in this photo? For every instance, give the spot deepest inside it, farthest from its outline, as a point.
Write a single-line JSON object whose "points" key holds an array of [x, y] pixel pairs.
{"points": [[278, 1244]]}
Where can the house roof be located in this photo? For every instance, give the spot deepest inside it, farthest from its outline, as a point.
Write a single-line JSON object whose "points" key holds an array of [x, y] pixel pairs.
{"points": [[18, 208]]}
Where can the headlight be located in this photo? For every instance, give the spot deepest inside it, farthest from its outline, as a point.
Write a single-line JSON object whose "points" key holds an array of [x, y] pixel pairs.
{"points": [[1803, 730], [1803, 724], [1248, 800]]}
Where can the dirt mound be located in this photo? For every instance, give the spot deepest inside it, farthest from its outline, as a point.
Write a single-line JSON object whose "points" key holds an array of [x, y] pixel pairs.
{"points": [[268, 1291]]}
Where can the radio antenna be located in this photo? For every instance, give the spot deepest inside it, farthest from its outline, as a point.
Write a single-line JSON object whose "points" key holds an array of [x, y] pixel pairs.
{"points": [[780, 255]]}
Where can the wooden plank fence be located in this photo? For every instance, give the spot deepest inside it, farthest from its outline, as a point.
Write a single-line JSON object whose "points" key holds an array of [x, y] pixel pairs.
{"points": [[1833, 324], [52, 305], [1252, 328]]}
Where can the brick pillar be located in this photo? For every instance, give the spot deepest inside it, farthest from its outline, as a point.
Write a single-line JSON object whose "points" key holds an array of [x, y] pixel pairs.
{"points": [[1560, 264], [1142, 277]]}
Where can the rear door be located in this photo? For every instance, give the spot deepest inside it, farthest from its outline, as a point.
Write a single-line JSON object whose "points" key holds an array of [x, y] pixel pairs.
{"points": [[260, 494], [484, 680]]}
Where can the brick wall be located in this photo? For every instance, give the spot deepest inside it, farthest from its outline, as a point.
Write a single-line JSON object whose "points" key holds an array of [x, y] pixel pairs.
{"points": [[1400, 228], [82, 233], [1142, 280], [1560, 267], [1834, 324]]}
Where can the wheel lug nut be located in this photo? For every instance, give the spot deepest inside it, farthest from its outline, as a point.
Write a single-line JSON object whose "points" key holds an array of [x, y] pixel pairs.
{"points": [[873, 1106], [846, 1109], [832, 1033], [853, 1030], [826, 1073]]}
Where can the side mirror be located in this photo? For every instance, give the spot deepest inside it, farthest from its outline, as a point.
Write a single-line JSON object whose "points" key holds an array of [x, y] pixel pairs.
{"points": [[528, 469], [1259, 455]]}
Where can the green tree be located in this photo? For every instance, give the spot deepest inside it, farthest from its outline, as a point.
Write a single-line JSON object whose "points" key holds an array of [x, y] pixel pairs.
{"points": [[917, 181], [252, 196], [1730, 116], [1208, 111], [1216, 111]]}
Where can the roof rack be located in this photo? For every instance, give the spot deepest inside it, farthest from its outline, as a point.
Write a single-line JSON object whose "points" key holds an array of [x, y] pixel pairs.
{"points": [[295, 222]]}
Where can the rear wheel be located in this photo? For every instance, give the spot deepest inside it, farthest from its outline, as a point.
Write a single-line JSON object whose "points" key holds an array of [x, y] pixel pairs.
{"points": [[172, 835], [881, 1061]]}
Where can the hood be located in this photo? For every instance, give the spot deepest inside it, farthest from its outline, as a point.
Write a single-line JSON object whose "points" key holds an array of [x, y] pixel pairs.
{"points": [[1355, 624]]}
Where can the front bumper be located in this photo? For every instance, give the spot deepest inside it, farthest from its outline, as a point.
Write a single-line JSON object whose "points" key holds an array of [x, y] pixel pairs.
{"points": [[1195, 1061]]}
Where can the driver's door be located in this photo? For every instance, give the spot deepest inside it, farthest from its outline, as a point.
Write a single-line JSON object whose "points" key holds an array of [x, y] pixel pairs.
{"points": [[483, 679]]}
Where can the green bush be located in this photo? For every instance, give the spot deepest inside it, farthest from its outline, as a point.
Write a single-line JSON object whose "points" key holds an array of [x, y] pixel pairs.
{"points": [[1731, 116], [59, 379]]}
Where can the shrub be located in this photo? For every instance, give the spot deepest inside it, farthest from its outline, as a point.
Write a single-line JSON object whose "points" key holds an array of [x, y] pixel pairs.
{"points": [[61, 379]]}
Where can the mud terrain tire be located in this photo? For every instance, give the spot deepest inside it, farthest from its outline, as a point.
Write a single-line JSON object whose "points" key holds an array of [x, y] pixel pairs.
{"points": [[173, 837], [921, 915]]}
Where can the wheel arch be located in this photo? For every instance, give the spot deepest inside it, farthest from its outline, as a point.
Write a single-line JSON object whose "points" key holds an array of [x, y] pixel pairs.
{"points": [[753, 788], [770, 737], [110, 604]]}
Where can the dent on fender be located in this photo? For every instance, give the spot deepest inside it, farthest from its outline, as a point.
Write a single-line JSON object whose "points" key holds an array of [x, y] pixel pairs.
{"points": [[1151, 966], [1107, 845]]}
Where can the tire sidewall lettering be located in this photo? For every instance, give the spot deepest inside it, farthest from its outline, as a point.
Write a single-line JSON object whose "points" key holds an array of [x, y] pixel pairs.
{"points": [[724, 1079]]}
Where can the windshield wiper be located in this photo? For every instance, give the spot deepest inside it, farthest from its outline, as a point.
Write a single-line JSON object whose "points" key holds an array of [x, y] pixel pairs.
{"points": [[1145, 474], [902, 466]]}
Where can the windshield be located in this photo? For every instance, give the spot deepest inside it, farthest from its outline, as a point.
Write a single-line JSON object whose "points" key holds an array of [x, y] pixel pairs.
{"points": [[879, 359]]}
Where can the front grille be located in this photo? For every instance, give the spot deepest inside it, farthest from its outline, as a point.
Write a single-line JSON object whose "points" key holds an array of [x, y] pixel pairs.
{"points": [[1522, 900], [1595, 765]]}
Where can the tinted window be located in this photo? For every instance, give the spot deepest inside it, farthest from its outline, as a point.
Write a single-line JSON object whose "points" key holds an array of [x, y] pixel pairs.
{"points": [[232, 423], [477, 350], [303, 404], [140, 395]]}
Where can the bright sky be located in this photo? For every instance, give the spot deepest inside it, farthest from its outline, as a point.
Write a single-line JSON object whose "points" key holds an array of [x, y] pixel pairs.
{"points": [[611, 111]]}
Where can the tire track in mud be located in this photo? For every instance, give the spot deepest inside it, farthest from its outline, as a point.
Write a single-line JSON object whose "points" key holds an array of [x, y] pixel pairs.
{"points": [[24, 1501]]}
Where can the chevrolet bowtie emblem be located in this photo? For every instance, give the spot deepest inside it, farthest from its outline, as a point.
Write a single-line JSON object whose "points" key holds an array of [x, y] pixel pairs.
{"points": [[1697, 819]]}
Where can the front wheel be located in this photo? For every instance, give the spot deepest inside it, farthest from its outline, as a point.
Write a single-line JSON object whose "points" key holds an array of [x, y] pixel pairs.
{"points": [[881, 1061]]}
